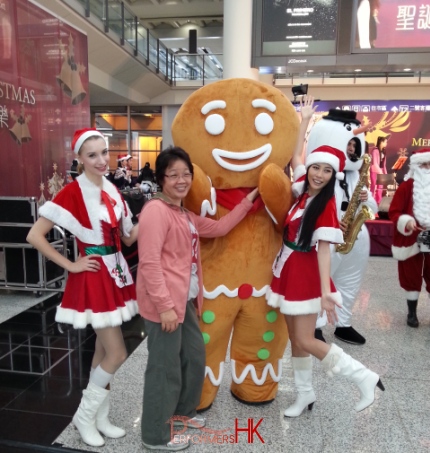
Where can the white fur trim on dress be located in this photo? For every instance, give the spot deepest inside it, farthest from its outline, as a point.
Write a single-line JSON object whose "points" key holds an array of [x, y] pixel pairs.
{"points": [[294, 308], [299, 171], [60, 216], [250, 369], [401, 224], [91, 195], [80, 320], [403, 253], [297, 188], [329, 234]]}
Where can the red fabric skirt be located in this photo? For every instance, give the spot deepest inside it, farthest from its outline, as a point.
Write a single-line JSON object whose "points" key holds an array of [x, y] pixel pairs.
{"points": [[94, 298], [297, 291]]}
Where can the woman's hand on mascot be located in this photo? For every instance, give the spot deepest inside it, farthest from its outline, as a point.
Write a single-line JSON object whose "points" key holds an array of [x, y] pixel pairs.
{"points": [[328, 303], [253, 195], [85, 264], [307, 108], [169, 320]]}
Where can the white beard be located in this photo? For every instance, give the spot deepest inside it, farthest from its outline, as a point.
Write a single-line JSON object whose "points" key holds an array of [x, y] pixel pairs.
{"points": [[421, 197]]}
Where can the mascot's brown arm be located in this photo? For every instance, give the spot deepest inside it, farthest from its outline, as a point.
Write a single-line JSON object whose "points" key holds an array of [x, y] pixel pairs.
{"points": [[199, 192], [275, 190]]}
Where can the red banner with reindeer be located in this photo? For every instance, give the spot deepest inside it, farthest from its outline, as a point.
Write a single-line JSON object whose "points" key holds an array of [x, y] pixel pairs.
{"points": [[43, 98]]}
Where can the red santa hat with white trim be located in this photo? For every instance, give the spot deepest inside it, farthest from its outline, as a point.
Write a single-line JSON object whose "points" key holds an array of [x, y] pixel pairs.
{"points": [[323, 155], [81, 135], [122, 157], [419, 157]]}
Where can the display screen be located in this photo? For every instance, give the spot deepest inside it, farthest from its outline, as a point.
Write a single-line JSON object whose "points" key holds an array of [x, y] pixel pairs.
{"points": [[395, 25], [299, 27]]}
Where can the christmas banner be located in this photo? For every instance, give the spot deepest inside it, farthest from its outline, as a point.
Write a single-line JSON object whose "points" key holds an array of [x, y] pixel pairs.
{"points": [[43, 98], [406, 124]]}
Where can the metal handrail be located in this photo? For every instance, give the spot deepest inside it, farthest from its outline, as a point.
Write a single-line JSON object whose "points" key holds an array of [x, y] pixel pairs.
{"points": [[160, 60]]}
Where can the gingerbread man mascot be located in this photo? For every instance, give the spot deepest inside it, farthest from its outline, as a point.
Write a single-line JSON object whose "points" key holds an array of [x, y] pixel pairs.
{"points": [[240, 134]]}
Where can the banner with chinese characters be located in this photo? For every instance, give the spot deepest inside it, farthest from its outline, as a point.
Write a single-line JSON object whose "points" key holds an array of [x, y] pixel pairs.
{"points": [[383, 25], [44, 98], [405, 123]]}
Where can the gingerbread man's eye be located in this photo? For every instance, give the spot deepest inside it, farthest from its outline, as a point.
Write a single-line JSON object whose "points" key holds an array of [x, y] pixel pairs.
{"points": [[215, 124], [264, 123]]}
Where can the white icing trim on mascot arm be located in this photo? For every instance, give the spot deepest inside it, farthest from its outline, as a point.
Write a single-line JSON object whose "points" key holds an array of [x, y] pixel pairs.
{"points": [[209, 207], [264, 153], [222, 289], [210, 374], [251, 369], [271, 216]]}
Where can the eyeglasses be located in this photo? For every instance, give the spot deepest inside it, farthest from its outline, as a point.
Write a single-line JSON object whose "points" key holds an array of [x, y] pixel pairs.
{"points": [[177, 177]]}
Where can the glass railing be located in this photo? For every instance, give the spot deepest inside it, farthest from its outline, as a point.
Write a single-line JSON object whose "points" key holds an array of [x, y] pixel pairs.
{"points": [[175, 69]]}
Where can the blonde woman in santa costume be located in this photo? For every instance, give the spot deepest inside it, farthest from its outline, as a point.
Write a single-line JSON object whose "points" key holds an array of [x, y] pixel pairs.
{"points": [[301, 286], [99, 289]]}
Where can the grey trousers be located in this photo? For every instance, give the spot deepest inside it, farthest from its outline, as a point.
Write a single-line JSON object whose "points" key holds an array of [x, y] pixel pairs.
{"points": [[174, 376]]}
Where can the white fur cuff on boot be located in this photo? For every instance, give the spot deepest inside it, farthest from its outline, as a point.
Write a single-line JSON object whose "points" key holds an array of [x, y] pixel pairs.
{"points": [[330, 361]]}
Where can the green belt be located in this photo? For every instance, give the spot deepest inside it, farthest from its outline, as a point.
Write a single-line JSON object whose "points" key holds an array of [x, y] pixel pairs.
{"points": [[100, 250], [294, 246]]}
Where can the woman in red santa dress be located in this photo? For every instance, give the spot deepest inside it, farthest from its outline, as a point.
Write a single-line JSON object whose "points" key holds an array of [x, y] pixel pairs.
{"points": [[99, 289], [410, 212], [301, 286]]}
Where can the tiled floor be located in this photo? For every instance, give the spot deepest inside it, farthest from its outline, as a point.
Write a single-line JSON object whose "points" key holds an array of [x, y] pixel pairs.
{"points": [[43, 369], [36, 408]]}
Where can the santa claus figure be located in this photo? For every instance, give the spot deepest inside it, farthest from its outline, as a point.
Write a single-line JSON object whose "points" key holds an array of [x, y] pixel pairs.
{"points": [[410, 212]]}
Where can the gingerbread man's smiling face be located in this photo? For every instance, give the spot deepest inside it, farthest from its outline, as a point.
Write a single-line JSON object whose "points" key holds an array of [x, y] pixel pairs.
{"points": [[232, 129]]}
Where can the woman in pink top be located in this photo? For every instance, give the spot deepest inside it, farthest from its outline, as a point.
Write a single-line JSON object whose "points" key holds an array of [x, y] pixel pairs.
{"points": [[379, 167], [169, 294]]}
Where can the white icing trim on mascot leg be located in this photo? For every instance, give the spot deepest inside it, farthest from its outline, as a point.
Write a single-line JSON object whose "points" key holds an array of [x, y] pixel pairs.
{"points": [[251, 369], [209, 373], [263, 151], [222, 289]]}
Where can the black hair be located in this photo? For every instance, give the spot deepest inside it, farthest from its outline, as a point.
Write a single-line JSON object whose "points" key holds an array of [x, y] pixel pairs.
{"points": [[314, 210], [379, 141], [166, 158], [358, 151]]}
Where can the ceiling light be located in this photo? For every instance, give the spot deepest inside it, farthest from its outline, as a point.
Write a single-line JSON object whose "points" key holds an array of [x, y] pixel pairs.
{"points": [[357, 70], [407, 69], [310, 70]]}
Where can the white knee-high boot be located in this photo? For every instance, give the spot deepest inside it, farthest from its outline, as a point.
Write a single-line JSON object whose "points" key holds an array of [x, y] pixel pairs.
{"points": [[85, 417], [104, 425], [303, 380], [337, 362]]}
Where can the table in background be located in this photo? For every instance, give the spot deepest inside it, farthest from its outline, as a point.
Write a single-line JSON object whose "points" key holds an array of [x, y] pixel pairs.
{"points": [[381, 237]]}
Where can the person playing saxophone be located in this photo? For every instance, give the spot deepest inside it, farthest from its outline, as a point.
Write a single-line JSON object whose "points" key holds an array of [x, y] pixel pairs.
{"points": [[342, 130]]}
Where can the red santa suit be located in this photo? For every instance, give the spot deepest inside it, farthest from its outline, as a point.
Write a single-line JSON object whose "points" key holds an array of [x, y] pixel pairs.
{"points": [[106, 297], [412, 202]]}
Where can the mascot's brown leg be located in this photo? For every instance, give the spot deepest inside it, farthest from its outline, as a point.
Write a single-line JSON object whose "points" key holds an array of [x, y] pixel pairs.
{"points": [[258, 344], [217, 321]]}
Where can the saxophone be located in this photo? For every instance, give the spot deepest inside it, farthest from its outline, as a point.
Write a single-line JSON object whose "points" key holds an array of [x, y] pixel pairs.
{"points": [[355, 222]]}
